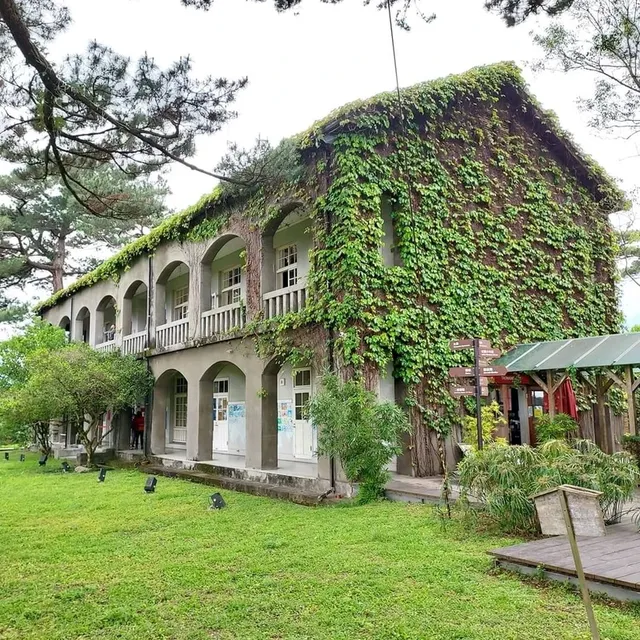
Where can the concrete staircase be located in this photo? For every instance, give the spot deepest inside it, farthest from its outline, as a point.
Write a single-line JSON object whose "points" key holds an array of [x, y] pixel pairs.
{"points": [[238, 481]]}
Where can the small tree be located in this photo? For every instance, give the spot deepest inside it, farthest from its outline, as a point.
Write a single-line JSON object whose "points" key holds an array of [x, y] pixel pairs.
{"points": [[82, 383], [19, 417], [362, 432]]}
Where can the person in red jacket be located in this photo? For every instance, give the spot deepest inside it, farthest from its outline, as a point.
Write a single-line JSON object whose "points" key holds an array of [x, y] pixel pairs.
{"points": [[137, 427]]}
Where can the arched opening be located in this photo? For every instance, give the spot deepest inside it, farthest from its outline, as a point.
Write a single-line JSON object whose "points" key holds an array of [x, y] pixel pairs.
{"points": [[223, 286], [83, 325], [223, 414], [169, 415], [65, 325], [105, 325], [286, 249], [172, 305], [134, 318]]}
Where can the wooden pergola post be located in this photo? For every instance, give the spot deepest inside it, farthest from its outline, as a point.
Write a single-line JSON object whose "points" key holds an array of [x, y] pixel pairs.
{"points": [[630, 387], [551, 395]]}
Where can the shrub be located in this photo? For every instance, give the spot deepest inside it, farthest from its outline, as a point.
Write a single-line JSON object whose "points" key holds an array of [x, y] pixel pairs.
{"points": [[492, 420], [632, 445], [504, 478], [362, 432], [557, 428]]}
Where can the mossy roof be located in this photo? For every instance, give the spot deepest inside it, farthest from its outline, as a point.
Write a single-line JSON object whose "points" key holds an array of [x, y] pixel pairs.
{"points": [[431, 97]]}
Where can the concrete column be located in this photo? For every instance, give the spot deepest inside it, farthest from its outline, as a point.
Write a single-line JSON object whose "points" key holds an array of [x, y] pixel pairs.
{"points": [[199, 420], [262, 420], [158, 418], [126, 316]]}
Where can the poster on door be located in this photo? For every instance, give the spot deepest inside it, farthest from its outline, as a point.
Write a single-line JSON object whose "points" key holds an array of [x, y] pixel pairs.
{"points": [[236, 423], [285, 416]]}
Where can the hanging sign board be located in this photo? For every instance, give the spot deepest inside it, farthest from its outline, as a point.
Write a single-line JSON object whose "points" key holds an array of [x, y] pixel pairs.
{"points": [[493, 371], [462, 372], [462, 391], [489, 353], [459, 345]]}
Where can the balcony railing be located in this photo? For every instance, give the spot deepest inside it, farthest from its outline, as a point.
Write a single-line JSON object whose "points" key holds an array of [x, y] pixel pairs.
{"points": [[134, 343], [222, 320], [281, 301], [172, 333], [110, 345]]}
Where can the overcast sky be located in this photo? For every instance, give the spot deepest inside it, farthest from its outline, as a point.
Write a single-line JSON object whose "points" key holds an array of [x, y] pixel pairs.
{"points": [[303, 65]]}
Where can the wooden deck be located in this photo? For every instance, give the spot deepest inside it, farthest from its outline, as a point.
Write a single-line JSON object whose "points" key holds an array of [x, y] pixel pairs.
{"points": [[611, 564]]}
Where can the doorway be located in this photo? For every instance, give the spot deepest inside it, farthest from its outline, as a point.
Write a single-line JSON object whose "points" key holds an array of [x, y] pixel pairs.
{"points": [[305, 434], [221, 415]]}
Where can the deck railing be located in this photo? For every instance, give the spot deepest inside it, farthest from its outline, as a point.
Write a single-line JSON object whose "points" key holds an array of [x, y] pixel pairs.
{"points": [[134, 343], [172, 333], [281, 301], [222, 320], [107, 346]]}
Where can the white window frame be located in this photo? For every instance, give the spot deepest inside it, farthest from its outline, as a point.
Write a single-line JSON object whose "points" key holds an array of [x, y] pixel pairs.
{"points": [[180, 309], [182, 396], [287, 266], [217, 383], [230, 289], [300, 389]]}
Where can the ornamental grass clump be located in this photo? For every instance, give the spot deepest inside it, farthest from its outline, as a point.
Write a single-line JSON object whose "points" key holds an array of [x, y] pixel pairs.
{"points": [[361, 432], [503, 479]]}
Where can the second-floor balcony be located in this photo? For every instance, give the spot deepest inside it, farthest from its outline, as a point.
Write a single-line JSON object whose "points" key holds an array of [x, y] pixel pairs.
{"points": [[172, 333], [222, 320], [287, 300]]}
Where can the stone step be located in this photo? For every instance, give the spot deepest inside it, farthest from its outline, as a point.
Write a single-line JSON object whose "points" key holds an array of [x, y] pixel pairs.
{"points": [[293, 494]]}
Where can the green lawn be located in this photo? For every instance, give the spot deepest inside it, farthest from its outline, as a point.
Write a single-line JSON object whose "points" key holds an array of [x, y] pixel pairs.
{"points": [[84, 560]]}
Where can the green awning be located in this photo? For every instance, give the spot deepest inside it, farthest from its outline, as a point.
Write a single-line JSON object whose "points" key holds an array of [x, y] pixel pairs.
{"points": [[579, 353]]}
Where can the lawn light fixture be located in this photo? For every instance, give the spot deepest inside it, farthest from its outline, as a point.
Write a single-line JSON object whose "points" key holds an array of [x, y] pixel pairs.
{"points": [[42, 461], [22, 458], [6, 455], [65, 467], [102, 475], [150, 484], [216, 501]]}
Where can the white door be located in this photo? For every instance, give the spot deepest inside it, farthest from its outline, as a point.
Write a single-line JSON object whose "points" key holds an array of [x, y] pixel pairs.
{"points": [[221, 415], [305, 436]]}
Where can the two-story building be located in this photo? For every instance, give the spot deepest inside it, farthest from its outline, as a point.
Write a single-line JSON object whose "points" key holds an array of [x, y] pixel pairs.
{"points": [[463, 211]]}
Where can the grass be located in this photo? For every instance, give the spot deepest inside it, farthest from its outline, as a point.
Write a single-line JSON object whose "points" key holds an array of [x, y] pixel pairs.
{"points": [[83, 560]]}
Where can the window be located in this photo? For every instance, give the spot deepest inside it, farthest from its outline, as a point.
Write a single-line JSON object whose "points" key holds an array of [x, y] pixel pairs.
{"points": [[302, 378], [231, 286], [221, 386], [181, 303], [287, 266], [301, 404], [180, 411], [220, 409]]}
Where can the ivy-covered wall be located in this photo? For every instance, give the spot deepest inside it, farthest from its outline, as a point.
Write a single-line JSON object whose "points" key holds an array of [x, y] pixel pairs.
{"points": [[504, 239]]}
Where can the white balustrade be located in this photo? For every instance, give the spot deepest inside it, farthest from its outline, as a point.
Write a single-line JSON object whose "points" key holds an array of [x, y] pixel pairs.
{"points": [[222, 320], [281, 301], [172, 333], [110, 345], [134, 343]]}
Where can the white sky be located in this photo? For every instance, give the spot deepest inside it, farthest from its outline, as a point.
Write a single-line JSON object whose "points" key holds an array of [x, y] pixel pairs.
{"points": [[301, 66]]}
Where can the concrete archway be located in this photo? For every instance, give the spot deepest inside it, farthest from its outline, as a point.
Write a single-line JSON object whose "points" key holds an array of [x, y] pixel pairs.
{"points": [[170, 413], [172, 304], [105, 324], [223, 285], [222, 414], [82, 325]]}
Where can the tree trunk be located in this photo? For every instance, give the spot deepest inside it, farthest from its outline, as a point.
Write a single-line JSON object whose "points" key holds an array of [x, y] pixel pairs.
{"points": [[57, 264], [41, 433]]}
